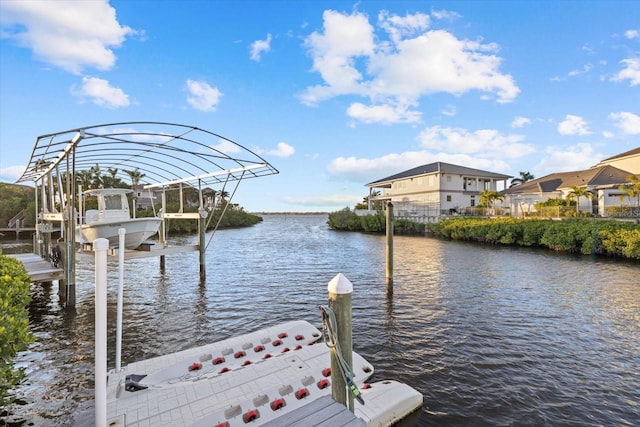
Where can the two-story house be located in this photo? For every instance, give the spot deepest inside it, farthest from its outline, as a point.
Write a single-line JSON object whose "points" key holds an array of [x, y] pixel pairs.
{"points": [[435, 189]]}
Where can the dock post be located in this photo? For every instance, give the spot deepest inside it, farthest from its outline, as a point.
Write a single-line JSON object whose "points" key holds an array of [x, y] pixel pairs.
{"points": [[100, 247], [389, 253], [340, 291], [201, 243]]}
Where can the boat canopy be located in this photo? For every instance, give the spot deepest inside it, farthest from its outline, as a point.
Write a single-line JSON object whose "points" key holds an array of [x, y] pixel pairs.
{"points": [[162, 153]]}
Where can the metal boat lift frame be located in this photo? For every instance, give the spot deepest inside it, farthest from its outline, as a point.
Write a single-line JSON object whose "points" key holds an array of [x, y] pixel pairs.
{"points": [[166, 155]]}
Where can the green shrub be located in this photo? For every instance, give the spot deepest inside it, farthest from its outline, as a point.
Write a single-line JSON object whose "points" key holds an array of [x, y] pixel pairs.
{"points": [[14, 323]]}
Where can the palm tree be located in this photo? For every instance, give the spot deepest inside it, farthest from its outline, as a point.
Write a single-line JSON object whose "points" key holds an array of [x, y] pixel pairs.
{"points": [[84, 178], [489, 197], [578, 192], [97, 176], [632, 189], [524, 177], [135, 176]]}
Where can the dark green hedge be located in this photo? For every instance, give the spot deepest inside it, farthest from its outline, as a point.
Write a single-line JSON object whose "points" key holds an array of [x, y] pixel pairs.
{"points": [[586, 236], [14, 322]]}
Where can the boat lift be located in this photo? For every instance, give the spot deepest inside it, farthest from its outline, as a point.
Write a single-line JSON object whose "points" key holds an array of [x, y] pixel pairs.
{"points": [[163, 155]]}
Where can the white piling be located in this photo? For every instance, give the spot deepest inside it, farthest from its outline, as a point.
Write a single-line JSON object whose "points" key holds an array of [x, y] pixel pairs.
{"points": [[121, 233], [100, 247]]}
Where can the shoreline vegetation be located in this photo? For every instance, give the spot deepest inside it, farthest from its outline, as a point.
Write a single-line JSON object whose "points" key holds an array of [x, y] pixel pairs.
{"points": [[585, 236]]}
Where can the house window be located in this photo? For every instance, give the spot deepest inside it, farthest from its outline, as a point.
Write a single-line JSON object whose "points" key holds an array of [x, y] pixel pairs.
{"points": [[448, 197], [487, 185], [448, 178], [473, 201]]}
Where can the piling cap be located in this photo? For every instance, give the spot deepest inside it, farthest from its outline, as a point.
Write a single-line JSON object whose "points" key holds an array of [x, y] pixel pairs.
{"points": [[100, 244], [340, 285]]}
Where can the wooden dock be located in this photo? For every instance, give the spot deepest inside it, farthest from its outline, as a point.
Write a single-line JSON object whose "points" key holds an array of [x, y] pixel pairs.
{"points": [[39, 269]]}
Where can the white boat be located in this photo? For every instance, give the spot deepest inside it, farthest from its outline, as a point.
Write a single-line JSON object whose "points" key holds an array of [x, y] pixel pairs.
{"points": [[111, 215]]}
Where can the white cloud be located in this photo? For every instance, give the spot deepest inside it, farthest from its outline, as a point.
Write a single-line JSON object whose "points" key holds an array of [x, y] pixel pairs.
{"points": [[399, 27], [449, 110], [573, 125], [445, 14], [485, 142], [101, 93], [629, 123], [607, 134], [520, 122], [337, 201], [585, 69], [72, 35], [202, 96], [632, 34], [631, 71], [226, 147], [386, 114], [565, 159], [367, 170], [260, 46], [283, 150], [353, 59], [12, 172]]}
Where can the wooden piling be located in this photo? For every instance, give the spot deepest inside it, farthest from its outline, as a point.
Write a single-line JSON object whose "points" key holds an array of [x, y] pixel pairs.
{"points": [[340, 290], [389, 253]]}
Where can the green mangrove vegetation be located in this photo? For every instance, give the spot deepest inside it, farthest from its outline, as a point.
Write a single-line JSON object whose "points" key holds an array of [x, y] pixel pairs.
{"points": [[573, 235], [15, 335], [578, 235]]}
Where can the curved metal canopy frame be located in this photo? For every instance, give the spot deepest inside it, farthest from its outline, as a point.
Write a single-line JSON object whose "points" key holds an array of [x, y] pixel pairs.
{"points": [[164, 153]]}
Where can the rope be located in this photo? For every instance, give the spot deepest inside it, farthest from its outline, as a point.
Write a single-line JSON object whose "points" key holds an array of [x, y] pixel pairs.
{"points": [[330, 337]]}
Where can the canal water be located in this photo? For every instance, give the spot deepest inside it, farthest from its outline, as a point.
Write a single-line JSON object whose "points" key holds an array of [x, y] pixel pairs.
{"points": [[489, 335]]}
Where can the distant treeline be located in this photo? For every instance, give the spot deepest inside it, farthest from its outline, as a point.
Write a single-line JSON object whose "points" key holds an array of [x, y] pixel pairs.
{"points": [[18, 197], [348, 220]]}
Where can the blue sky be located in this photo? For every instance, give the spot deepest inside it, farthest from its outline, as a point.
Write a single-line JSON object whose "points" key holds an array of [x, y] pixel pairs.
{"points": [[334, 94]]}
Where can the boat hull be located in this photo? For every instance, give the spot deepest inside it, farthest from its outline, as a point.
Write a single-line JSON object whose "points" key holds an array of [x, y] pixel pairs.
{"points": [[137, 231]]}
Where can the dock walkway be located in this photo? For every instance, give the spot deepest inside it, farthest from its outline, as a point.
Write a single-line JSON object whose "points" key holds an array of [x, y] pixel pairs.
{"points": [[39, 269]]}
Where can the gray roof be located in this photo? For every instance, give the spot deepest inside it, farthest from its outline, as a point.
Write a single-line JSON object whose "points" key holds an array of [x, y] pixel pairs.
{"points": [[594, 177], [622, 155], [439, 167]]}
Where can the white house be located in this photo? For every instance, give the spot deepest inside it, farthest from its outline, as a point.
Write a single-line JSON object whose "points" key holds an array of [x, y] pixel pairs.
{"points": [[435, 189], [602, 180]]}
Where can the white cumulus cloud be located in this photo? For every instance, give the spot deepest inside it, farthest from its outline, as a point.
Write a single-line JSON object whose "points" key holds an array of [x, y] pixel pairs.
{"points": [[258, 47], [565, 159], [283, 150], [520, 122], [573, 125], [100, 92], [202, 96], [386, 113], [355, 58], [486, 142], [629, 123], [630, 71], [72, 35]]}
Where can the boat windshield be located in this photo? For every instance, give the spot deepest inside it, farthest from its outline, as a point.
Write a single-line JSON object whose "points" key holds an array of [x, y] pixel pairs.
{"points": [[113, 202]]}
